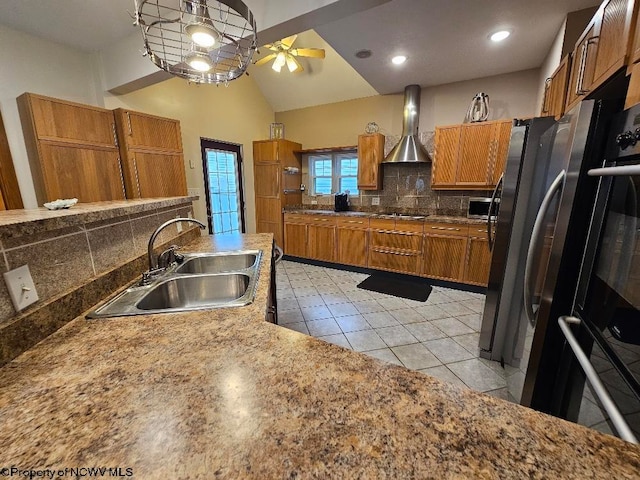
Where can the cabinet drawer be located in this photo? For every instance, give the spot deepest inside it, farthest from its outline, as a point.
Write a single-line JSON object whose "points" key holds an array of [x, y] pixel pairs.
{"points": [[404, 262], [396, 240], [477, 231], [327, 220], [446, 228], [382, 223], [416, 226], [353, 222], [296, 218]]}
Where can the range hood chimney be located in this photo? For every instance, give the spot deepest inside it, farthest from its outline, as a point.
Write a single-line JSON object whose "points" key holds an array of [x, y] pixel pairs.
{"points": [[409, 149]]}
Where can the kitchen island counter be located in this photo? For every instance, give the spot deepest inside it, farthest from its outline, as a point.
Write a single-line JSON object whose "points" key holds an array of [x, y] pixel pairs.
{"points": [[223, 394]]}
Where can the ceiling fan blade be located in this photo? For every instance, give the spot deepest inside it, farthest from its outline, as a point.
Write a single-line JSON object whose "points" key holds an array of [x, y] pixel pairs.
{"points": [[293, 64], [287, 42], [266, 59], [308, 52]]}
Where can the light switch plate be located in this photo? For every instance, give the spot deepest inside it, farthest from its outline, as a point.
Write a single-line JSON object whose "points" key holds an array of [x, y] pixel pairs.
{"points": [[375, 200], [179, 225], [21, 288]]}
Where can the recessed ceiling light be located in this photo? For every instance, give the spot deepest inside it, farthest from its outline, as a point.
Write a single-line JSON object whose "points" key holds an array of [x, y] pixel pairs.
{"points": [[399, 59], [499, 36]]}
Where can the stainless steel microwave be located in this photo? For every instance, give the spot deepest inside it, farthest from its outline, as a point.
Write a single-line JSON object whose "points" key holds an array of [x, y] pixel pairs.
{"points": [[479, 208]]}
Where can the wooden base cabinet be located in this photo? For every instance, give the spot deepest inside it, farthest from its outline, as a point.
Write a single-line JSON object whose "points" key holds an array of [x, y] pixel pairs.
{"points": [[478, 260], [444, 257], [321, 242], [295, 237], [352, 241]]}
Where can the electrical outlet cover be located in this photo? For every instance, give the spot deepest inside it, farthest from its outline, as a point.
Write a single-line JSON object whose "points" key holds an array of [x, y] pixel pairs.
{"points": [[375, 201], [21, 288], [179, 225]]}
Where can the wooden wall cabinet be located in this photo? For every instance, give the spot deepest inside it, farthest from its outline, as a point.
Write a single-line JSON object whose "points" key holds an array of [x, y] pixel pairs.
{"points": [[370, 156], [270, 159], [470, 156], [555, 91], [151, 152], [603, 48], [72, 148], [10, 197]]}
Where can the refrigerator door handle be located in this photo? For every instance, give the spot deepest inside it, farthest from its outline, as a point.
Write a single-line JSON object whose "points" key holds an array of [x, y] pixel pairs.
{"points": [[622, 170], [556, 185], [599, 389], [494, 196]]}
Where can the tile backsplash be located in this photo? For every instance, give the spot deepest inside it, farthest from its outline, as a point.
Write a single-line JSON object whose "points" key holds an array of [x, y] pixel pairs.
{"points": [[406, 188]]}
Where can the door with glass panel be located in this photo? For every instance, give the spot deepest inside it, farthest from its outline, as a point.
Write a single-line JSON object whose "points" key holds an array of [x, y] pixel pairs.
{"points": [[222, 167]]}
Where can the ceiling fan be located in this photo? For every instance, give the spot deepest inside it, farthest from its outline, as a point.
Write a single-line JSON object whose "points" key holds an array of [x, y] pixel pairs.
{"points": [[285, 55]]}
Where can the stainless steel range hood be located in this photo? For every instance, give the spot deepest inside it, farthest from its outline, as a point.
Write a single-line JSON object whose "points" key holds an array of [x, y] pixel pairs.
{"points": [[409, 149]]}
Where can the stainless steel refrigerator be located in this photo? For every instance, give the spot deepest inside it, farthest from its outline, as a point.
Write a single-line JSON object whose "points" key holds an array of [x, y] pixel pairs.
{"points": [[536, 250]]}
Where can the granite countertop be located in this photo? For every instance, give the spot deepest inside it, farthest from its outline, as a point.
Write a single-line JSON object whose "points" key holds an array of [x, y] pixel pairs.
{"points": [[426, 218], [223, 394]]}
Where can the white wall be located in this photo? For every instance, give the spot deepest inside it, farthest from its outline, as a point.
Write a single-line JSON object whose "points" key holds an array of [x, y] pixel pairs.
{"points": [[550, 63], [30, 64], [512, 95]]}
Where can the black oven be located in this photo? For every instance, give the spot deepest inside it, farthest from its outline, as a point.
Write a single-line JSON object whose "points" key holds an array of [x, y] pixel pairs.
{"points": [[603, 331]]}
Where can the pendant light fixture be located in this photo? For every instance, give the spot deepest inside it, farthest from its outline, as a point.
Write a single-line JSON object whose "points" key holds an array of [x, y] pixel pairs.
{"points": [[204, 41]]}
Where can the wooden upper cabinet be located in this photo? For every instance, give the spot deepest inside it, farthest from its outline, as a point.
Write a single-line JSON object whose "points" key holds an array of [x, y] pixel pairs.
{"points": [[61, 121], [142, 131], [476, 152], [72, 150], [555, 93], [370, 156], [447, 144], [9, 189], [265, 151], [470, 156], [613, 40], [151, 152], [604, 47]]}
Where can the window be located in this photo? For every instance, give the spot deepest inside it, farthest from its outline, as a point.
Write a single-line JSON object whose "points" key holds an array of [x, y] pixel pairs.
{"points": [[333, 173]]}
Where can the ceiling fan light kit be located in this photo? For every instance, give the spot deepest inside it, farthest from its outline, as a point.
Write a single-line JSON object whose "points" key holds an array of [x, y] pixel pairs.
{"points": [[204, 41], [283, 55]]}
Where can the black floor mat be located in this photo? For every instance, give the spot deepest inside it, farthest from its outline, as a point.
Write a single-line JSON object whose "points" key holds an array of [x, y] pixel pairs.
{"points": [[417, 289]]}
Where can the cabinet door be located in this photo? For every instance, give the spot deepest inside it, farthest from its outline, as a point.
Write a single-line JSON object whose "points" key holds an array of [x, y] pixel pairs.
{"points": [[478, 261], [295, 239], [62, 121], [583, 64], [90, 175], [157, 175], [143, 131], [444, 257], [558, 89], [445, 159], [501, 141], [476, 152], [613, 41], [352, 247], [269, 218], [321, 243], [370, 155]]}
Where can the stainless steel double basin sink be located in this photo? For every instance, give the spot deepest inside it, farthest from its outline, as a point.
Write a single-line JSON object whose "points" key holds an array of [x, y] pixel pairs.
{"points": [[202, 281]]}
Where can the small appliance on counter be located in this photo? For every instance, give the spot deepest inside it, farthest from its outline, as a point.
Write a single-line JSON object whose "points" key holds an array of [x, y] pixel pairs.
{"points": [[341, 202], [479, 208]]}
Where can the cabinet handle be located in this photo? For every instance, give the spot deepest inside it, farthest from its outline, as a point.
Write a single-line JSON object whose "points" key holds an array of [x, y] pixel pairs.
{"points": [[135, 168], [446, 228], [115, 136], [547, 85], [353, 221], [391, 252], [583, 65], [129, 123]]}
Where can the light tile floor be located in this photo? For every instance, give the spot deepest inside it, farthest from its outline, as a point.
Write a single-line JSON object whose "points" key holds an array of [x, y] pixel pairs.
{"points": [[438, 337]]}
